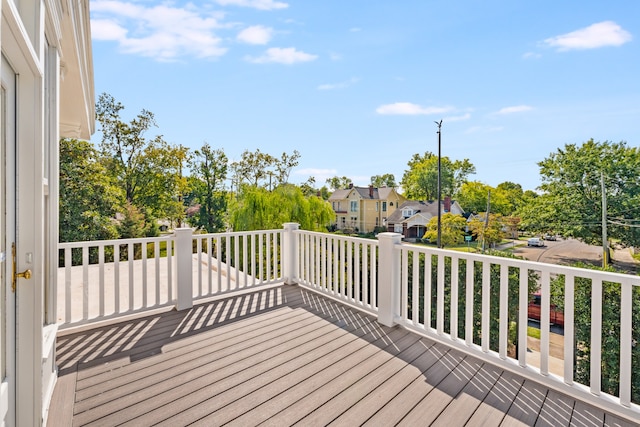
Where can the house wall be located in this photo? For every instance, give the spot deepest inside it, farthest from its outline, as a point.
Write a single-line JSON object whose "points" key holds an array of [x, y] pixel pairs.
{"points": [[369, 213]]}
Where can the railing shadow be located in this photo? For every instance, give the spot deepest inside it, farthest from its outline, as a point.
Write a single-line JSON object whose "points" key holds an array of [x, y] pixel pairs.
{"points": [[132, 340]]}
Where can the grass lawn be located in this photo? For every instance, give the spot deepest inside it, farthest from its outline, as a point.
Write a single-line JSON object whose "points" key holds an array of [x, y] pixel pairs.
{"points": [[533, 332]]}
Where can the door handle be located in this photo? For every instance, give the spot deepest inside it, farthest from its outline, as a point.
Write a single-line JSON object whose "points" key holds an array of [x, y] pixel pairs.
{"points": [[25, 274]]}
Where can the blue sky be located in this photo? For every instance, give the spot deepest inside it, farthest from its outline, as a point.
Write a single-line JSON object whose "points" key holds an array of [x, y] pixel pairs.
{"points": [[355, 86]]}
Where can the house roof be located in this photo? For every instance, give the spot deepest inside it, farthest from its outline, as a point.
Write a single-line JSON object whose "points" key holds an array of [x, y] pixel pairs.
{"points": [[369, 193], [427, 209]]}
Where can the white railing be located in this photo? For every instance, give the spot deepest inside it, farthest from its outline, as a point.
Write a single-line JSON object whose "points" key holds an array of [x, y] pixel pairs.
{"points": [[107, 279], [476, 303], [342, 267], [479, 304], [228, 262]]}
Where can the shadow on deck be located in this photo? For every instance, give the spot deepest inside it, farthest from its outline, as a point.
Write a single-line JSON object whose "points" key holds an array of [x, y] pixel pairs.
{"points": [[284, 356]]}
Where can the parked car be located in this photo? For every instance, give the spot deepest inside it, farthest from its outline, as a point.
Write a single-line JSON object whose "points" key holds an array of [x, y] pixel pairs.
{"points": [[556, 316], [550, 237], [535, 241]]}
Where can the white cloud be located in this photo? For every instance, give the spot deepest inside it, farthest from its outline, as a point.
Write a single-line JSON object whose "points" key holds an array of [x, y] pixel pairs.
{"points": [[601, 34], [281, 55], [466, 116], [256, 34], [255, 4], [515, 109], [162, 32], [407, 108], [341, 85]]}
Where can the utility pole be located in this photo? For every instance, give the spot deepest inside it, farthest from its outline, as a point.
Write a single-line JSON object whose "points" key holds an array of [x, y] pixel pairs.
{"points": [[439, 184], [605, 243]]}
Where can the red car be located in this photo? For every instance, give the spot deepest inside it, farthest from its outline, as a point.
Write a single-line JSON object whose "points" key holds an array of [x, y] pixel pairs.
{"points": [[556, 316]]}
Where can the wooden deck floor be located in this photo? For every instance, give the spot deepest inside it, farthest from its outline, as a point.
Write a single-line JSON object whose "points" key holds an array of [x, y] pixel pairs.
{"points": [[287, 356]]}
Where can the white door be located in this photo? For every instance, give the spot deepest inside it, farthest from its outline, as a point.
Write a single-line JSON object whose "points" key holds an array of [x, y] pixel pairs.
{"points": [[7, 239]]}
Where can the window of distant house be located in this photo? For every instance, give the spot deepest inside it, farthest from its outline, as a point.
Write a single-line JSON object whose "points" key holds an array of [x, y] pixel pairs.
{"points": [[377, 203], [334, 205], [407, 212], [384, 206], [377, 223], [354, 206], [397, 228]]}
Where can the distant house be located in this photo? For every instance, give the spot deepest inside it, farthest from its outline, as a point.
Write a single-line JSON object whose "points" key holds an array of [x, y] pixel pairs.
{"points": [[362, 209], [411, 217]]}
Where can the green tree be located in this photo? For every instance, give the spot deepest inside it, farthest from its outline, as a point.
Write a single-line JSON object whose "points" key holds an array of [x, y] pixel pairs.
{"points": [[89, 198], [259, 209], [473, 196], [491, 232], [386, 180], [571, 200], [208, 174], [149, 170], [337, 183], [420, 181], [452, 229]]}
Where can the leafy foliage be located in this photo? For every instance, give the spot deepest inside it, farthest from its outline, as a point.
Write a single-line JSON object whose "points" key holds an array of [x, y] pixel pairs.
{"points": [[209, 172], [259, 209], [149, 170], [571, 200], [337, 183], [89, 198], [420, 181], [491, 232], [386, 180], [452, 229]]}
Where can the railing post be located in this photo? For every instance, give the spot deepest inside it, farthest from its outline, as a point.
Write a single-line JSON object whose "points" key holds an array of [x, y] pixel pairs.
{"points": [[389, 278], [184, 268], [290, 253]]}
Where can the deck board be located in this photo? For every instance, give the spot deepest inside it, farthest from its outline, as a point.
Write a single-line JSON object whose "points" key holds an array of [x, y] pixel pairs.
{"points": [[285, 356]]}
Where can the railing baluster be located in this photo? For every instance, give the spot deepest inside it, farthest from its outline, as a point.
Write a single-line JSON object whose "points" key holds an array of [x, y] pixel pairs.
{"points": [[428, 289], [569, 333], [374, 276], [85, 282], [68, 262], [156, 259], [356, 274], [523, 307], [116, 277], [504, 310], [453, 316], [440, 295], [130, 258], [143, 249], [101, 278], [486, 301], [170, 269], [626, 337], [545, 291], [468, 307], [415, 288], [199, 262], [596, 336], [244, 263]]}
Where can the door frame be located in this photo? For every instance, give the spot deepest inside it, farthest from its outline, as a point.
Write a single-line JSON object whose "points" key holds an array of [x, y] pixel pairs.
{"points": [[17, 43], [8, 222]]}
